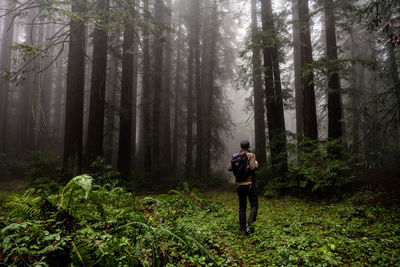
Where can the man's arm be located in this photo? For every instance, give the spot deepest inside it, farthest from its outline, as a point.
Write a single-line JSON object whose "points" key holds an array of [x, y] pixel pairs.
{"points": [[253, 161]]}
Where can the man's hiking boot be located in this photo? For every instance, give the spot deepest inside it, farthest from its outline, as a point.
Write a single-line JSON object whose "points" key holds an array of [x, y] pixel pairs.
{"points": [[249, 230], [243, 232]]}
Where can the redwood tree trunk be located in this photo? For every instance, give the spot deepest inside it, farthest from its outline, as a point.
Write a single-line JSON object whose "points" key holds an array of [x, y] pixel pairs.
{"points": [[74, 100], [297, 70], [5, 61], [310, 127], [58, 99], [46, 92], [157, 82], [111, 94], [259, 114], [210, 92], [125, 126], [189, 117], [178, 92], [134, 105], [94, 145], [166, 96], [200, 77], [334, 94], [203, 90], [146, 94], [274, 102]]}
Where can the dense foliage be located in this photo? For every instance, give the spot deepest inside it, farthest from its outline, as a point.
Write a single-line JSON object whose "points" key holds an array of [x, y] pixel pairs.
{"points": [[87, 224]]}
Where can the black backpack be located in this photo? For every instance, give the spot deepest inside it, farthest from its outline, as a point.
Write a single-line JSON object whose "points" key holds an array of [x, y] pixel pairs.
{"points": [[240, 166]]}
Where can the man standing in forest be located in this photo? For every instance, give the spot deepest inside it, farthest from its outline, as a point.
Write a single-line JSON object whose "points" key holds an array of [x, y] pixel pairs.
{"points": [[243, 165]]}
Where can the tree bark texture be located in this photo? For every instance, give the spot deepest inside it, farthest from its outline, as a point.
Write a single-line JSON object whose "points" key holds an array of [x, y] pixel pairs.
{"points": [[274, 101], [297, 70], [177, 98], [27, 93], [125, 118], [134, 105], [200, 78], [259, 114], [45, 94], [112, 89], [146, 94], [210, 92], [166, 96], [157, 82], [334, 94], [94, 145], [5, 62], [190, 102], [310, 127], [75, 89]]}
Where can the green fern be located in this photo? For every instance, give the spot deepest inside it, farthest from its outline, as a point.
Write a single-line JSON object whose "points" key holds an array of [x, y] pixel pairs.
{"points": [[25, 206], [83, 181]]}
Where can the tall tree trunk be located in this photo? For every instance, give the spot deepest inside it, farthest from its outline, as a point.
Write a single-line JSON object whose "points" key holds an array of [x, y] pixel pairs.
{"points": [[27, 104], [111, 95], [177, 97], [166, 96], [134, 104], [199, 79], [209, 93], [87, 75], [157, 82], [259, 114], [75, 88], [94, 145], [45, 93], [310, 126], [394, 69], [5, 62], [396, 86], [357, 80], [58, 97], [125, 128], [146, 93], [274, 102], [297, 70], [189, 117], [334, 94], [35, 132]]}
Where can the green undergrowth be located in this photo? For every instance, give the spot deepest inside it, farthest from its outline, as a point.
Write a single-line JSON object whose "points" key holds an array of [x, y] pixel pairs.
{"points": [[84, 224]]}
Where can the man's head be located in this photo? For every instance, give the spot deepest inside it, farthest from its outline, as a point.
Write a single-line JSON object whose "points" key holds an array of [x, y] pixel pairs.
{"points": [[245, 144]]}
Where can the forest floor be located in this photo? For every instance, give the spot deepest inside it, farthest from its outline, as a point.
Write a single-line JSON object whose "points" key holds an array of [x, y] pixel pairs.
{"points": [[201, 229], [290, 231]]}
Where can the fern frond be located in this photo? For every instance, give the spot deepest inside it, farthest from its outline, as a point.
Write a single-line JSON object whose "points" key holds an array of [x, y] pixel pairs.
{"points": [[83, 181], [25, 206]]}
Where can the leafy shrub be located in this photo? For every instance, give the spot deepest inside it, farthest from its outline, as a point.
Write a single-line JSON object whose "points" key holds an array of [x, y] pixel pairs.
{"points": [[317, 169], [102, 172], [311, 169], [88, 224]]}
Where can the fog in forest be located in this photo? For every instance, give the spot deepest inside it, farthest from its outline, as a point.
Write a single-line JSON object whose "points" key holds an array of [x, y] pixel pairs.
{"points": [[172, 87], [143, 132]]}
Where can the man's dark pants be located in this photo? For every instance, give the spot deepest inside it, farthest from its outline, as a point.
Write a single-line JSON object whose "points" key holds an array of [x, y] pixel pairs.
{"points": [[249, 191]]}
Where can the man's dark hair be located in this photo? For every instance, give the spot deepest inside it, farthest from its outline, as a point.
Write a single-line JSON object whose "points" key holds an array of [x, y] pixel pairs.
{"points": [[245, 144]]}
